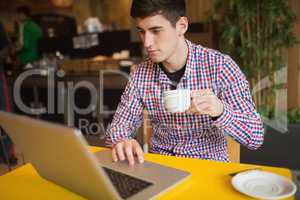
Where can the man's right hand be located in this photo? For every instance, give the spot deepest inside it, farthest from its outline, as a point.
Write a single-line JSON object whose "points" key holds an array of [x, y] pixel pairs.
{"points": [[127, 149]]}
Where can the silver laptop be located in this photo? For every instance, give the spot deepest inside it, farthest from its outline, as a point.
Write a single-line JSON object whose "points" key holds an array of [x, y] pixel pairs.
{"points": [[61, 155]]}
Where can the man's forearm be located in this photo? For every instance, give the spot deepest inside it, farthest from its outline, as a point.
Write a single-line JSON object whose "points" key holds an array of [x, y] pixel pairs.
{"points": [[245, 127]]}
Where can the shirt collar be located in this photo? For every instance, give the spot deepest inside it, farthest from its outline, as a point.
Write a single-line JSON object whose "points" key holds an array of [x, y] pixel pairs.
{"points": [[162, 77], [189, 61]]}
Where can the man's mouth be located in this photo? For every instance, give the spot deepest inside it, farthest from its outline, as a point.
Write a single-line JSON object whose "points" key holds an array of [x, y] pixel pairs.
{"points": [[152, 52]]}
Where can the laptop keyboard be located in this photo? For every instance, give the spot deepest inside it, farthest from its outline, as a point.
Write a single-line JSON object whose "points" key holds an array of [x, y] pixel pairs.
{"points": [[126, 185]]}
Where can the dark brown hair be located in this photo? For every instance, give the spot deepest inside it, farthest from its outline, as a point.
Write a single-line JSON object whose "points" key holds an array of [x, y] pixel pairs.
{"points": [[172, 10]]}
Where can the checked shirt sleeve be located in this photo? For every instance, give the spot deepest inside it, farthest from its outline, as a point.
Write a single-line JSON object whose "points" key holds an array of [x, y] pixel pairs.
{"points": [[128, 116], [239, 119]]}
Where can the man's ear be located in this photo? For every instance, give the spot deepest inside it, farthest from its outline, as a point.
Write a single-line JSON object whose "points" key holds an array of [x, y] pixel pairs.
{"points": [[182, 25]]}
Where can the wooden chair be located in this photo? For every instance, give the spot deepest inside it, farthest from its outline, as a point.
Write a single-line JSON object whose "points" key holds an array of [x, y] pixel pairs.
{"points": [[233, 150], [233, 146]]}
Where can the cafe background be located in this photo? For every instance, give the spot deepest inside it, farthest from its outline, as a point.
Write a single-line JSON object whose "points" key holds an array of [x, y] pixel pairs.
{"points": [[82, 51]]}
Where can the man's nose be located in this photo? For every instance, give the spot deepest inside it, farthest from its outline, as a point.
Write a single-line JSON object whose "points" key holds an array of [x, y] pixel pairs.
{"points": [[148, 40]]}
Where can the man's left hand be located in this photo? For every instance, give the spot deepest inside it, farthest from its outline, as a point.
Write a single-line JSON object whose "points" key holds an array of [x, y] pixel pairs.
{"points": [[205, 102]]}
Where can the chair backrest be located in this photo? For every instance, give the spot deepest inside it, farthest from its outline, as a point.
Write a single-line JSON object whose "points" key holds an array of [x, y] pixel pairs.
{"points": [[233, 146], [233, 150]]}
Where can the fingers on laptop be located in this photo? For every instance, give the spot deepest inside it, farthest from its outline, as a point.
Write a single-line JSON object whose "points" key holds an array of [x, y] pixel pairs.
{"points": [[138, 152], [114, 154], [127, 149]]}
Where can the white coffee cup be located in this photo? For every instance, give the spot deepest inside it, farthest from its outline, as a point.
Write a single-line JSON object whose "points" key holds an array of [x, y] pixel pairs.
{"points": [[176, 101]]}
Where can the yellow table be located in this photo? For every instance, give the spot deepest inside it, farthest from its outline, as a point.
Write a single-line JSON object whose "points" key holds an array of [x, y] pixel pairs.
{"points": [[209, 180]]}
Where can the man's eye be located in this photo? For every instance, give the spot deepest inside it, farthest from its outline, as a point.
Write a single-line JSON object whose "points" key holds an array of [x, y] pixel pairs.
{"points": [[156, 31]]}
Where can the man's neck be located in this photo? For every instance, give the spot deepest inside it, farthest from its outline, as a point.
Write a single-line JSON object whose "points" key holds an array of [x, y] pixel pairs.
{"points": [[178, 59]]}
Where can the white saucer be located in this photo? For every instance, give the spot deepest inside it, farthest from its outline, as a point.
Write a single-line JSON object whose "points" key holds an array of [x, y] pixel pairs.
{"points": [[263, 185]]}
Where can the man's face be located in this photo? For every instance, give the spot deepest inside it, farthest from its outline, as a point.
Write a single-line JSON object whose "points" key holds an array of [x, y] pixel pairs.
{"points": [[159, 36]]}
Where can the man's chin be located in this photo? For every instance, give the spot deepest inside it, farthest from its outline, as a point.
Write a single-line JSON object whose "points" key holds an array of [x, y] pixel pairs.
{"points": [[155, 59]]}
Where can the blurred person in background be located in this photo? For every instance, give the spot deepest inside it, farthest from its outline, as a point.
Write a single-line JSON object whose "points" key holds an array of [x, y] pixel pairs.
{"points": [[7, 153], [29, 35]]}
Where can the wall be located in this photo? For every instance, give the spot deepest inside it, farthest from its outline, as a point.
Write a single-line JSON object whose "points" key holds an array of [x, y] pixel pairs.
{"points": [[81, 10], [294, 62], [115, 12], [198, 10], [6, 16]]}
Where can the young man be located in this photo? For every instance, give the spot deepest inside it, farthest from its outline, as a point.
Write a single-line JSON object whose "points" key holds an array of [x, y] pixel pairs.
{"points": [[221, 101]]}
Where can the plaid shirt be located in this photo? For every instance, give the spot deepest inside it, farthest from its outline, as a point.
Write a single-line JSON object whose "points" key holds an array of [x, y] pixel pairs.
{"points": [[190, 135]]}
